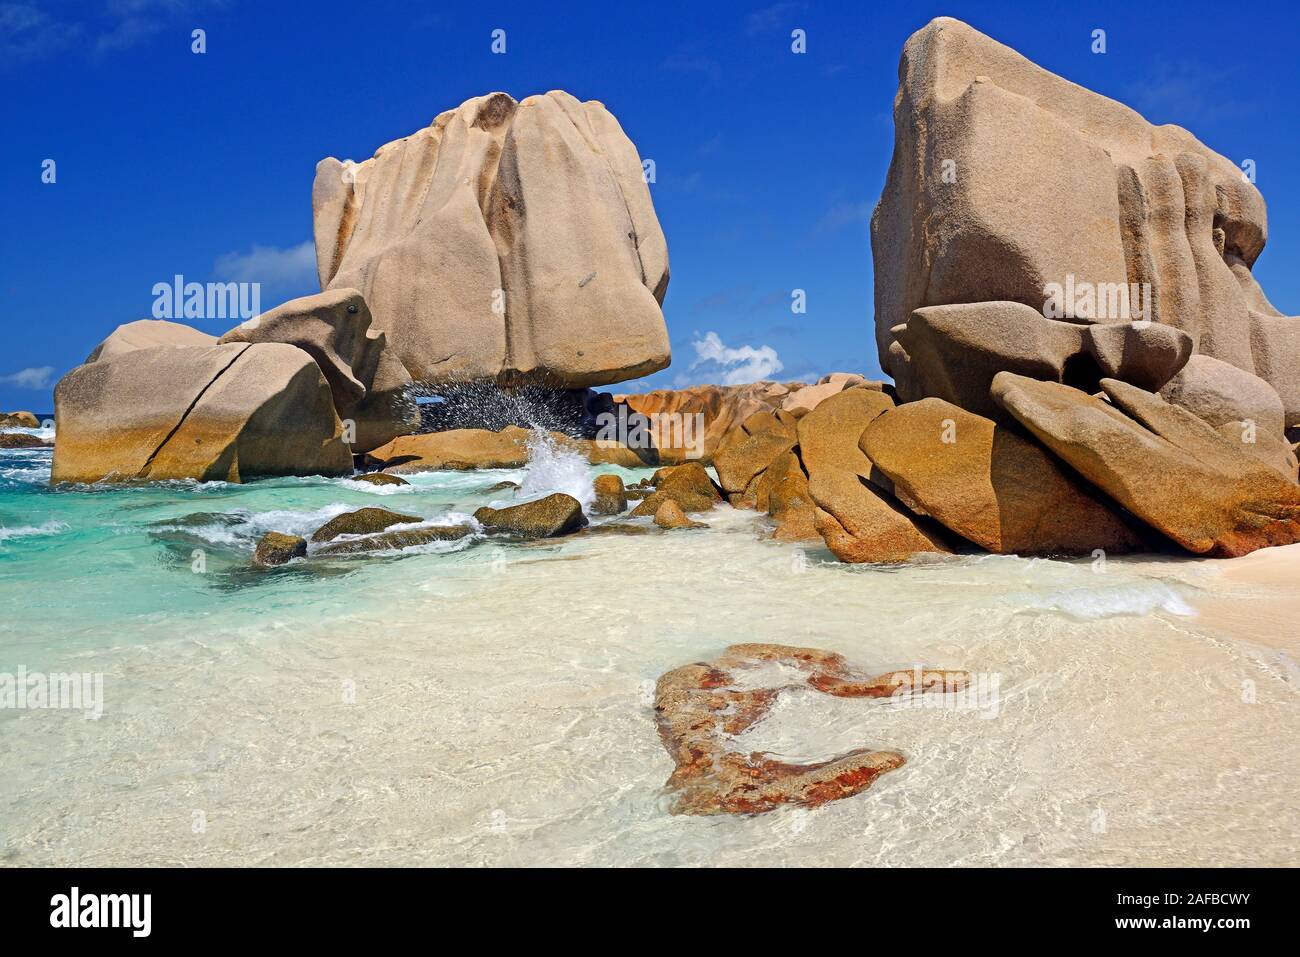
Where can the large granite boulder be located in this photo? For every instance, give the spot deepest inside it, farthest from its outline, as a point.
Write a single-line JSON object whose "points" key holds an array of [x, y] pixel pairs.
{"points": [[506, 242], [368, 381], [224, 412], [19, 420], [988, 484], [1165, 465], [1009, 183], [469, 449], [149, 334]]}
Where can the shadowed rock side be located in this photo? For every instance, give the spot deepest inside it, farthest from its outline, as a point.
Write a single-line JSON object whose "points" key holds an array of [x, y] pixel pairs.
{"points": [[701, 707], [1006, 178], [509, 242]]}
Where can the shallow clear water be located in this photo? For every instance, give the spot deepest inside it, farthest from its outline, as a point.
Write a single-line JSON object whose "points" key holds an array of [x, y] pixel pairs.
{"points": [[481, 703]]}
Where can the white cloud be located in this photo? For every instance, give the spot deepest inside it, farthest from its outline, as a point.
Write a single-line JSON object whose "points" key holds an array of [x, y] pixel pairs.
{"points": [[37, 378], [269, 265], [736, 366]]}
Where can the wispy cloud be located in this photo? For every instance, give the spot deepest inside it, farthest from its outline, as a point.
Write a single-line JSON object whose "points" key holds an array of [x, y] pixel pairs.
{"points": [[844, 214], [29, 33], [40, 377], [270, 265], [1186, 93], [688, 63], [734, 366], [772, 17]]}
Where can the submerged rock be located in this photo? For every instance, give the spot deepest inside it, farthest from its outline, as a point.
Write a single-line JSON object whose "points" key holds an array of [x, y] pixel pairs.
{"points": [[556, 514], [699, 709], [275, 548], [364, 521], [396, 540]]}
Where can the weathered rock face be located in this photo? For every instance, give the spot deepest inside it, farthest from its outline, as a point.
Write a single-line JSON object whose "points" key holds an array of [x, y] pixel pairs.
{"points": [[1006, 178], [809, 396], [149, 334], [369, 383], [701, 707], [857, 521], [225, 412], [1164, 464], [508, 242], [988, 484]]}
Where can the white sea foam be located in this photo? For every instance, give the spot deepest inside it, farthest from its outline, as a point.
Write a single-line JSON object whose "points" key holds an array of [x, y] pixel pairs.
{"points": [[28, 531], [1091, 603], [553, 468]]}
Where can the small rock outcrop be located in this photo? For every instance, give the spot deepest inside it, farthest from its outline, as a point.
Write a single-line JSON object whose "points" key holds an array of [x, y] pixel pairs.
{"points": [[396, 540], [19, 420]]}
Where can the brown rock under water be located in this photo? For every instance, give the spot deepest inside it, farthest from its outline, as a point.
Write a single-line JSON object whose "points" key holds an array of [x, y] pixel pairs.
{"points": [[699, 709]]}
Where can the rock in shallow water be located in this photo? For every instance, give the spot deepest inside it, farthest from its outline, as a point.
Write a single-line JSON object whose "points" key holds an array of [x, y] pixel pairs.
{"points": [[670, 515], [556, 514], [275, 548], [699, 709], [380, 478], [988, 484], [396, 540], [21, 440], [364, 521], [611, 497]]}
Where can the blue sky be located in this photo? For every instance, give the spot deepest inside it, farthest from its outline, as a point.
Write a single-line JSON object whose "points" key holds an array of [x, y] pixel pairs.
{"points": [[768, 163]]}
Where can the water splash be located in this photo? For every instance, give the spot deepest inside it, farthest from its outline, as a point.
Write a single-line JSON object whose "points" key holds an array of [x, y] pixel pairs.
{"points": [[554, 468]]}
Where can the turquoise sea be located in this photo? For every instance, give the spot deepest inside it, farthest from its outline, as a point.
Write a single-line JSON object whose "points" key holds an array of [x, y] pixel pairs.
{"points": [[485, 702]]}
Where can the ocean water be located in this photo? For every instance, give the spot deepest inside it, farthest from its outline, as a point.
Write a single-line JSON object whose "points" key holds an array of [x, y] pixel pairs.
{"points": [[484, 703]]}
